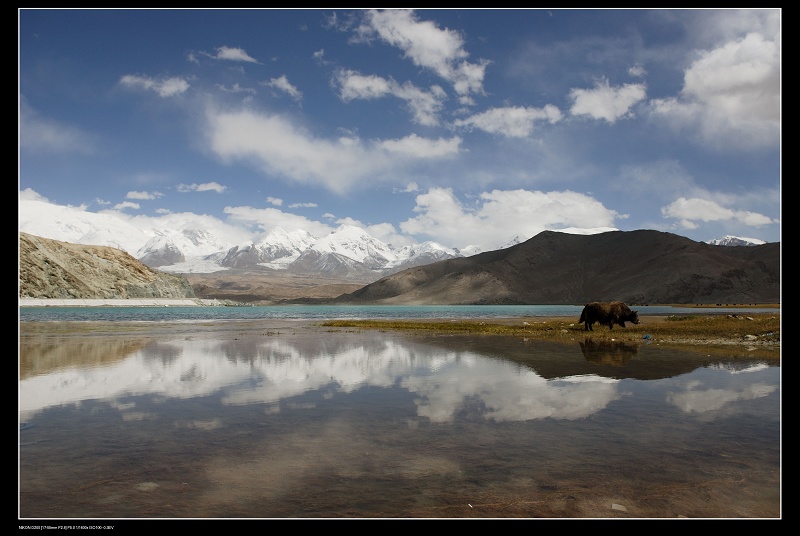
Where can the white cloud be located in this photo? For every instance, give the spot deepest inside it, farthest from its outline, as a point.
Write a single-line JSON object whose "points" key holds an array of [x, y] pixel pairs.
{"points": [[606, 102], [427, 46], [419, 147], [424, 105], [410, 188], [637, 71], [30, 195], [275, 145], [268, 218], [203, 187], [282, 83], [143, 195], [514, 122], [233, 54], [731, 94], [523, 213], [168, 87], [688, 211], [302, 205], [127, 204], [275, 201], [353, 85]]}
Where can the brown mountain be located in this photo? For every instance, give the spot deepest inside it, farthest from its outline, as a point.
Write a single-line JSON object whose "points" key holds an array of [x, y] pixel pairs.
{"points": [[637, 267], [54, 269]]}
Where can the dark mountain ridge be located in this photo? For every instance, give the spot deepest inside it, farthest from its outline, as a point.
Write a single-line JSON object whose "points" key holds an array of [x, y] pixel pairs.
{"points": [[642, 266]]}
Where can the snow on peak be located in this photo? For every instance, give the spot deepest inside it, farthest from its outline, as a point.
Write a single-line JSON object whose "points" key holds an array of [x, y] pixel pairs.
{"points": [[736, 241], [354, 243]]}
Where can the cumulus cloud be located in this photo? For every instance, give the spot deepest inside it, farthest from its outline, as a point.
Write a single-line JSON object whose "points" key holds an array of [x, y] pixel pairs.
{"points": [[168, 87], [353, 85], [233, 54], [606, 102], [203, 187], [731, 94], [426, 45], [688, 211], [513, 122], [424, 105], [443, 218], [278, 147], [275, 201]]}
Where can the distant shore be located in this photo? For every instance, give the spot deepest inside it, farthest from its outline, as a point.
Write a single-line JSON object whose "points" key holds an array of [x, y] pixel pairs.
{"points": [[122, 302], [198, 302]]}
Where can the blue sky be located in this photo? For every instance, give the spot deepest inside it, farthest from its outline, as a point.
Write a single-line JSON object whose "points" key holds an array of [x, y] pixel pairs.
{"points": [[465, 127]]}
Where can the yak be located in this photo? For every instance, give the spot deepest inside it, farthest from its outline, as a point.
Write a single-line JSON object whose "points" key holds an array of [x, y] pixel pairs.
{"points": [[607, 314]]}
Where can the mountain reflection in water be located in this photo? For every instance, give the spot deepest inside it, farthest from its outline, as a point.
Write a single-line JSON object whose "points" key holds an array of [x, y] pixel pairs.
{"points": [[372, 424]]}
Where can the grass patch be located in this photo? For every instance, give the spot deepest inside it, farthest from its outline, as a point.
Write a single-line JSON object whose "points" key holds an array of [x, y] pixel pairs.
{"points": [[761, 329]]}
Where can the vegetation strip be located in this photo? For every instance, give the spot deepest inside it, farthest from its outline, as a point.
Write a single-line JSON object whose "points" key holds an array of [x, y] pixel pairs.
{"points": [[757, 329]]}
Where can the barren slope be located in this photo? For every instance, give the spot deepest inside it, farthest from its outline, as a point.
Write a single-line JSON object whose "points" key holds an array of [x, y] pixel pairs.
{"points": [[54, 269], [558, 268]]}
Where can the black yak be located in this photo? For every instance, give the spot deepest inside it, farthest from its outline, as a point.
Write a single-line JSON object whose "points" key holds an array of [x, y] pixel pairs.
{"points": [[607, 314]]}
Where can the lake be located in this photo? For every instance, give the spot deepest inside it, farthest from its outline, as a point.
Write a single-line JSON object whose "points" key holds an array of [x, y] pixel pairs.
{"points": [[286, 420], [317, 312]]}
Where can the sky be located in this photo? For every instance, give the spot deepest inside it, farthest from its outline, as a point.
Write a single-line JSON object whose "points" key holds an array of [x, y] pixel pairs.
{"points": [[467, 127]]}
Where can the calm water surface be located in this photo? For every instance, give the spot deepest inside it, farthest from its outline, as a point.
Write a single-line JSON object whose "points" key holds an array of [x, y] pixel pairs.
{"points": [[306, 312], [290, 423]]}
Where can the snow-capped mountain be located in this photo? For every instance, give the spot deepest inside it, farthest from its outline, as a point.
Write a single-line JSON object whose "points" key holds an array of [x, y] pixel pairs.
{"points": [[276, 250], [354, 243], [79, 227], [348, 252], [193, 246], [736, 241]]}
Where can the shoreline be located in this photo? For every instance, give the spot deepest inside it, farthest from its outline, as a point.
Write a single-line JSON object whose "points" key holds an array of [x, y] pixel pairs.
{"points": [[202, 302], [121, 302]]}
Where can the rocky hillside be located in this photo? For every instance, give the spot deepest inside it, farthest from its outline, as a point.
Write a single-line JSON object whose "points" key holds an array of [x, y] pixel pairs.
{"points": [[53, 269], [637, 267]]}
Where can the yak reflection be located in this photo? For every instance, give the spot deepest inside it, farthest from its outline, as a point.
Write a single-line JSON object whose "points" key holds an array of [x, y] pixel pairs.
{"points": [[607, 352]]}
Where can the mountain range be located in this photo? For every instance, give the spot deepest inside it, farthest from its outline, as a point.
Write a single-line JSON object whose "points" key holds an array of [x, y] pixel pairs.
{"points": [[349, 265], [348, 253], [551, 268], [637, 267]]}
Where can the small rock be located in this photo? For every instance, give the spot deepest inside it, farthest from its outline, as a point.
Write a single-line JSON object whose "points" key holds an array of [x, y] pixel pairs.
{"points": [[615, 506]]}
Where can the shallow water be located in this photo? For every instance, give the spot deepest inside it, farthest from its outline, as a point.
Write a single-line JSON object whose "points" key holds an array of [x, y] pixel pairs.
{"points": [[349, 424]]}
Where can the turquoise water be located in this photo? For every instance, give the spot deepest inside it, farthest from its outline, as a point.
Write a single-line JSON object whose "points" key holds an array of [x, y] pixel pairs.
{"points": [[314, 312]]}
